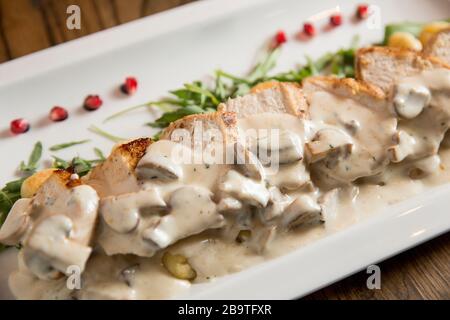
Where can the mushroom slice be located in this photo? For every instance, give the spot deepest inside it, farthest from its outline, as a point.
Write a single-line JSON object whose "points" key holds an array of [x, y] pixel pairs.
{"points": [[192, 212], [245, 189], [410, 99], [286, 146], [403, 148], [423, 167], [122, 213], [229, 204], [37, 265], [16, 223], [277, 204], [248, 163], [158, 166], [329, 203], [178, 266], [302, 210], [290, 176], [49, 247], [327, 142]]}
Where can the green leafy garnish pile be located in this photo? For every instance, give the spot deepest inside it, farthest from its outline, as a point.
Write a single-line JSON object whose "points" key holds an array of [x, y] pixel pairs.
{"points": [[79, 165], [198, 97]]}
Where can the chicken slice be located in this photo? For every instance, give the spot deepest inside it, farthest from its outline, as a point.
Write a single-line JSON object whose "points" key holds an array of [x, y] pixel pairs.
{"points": [[55, 228], [353, 128], [439, 46], [116, 174], [418, 88]]}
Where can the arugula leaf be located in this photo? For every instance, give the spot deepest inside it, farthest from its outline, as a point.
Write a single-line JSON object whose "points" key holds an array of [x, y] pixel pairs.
{"points": [[340, 63], [5, 204], [204, 93], [169, 117], [105, 134], [99, 154], [162, 103], [13, 186], [59, 163], [157, 136], [231, 77], [220, 90], [262, 68], [67, 145], [79, 165], [33, 160]]}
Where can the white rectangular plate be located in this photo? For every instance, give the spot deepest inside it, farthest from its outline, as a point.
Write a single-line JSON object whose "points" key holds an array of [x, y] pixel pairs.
{"points": [[168, 49]]}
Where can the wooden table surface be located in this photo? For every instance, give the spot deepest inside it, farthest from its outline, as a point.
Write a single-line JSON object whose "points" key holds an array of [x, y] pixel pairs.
{"points": [[27, 26]]}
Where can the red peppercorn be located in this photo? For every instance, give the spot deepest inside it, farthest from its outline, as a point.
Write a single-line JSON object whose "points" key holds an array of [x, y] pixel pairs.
{"points": [[362, 11], [130, 86], [336, 19], [92, 102], [280, 38], [58, 114], [19, 126], [308, 28]]}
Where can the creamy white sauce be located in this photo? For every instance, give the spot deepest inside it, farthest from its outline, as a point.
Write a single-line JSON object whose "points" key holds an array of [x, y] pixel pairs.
{"points": [[427, 129], [202, 208], [8, 263]]}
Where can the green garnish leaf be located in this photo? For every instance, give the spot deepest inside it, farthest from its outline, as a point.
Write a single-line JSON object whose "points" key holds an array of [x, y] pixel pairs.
{"points": [[79, 165], [204, 93], [105, 134], [262, 69], [67, 145], [5, 204], [128, 110], [14, 186], [59, 163], [157, 136], [99, 154], [33, 160], [169, 117]]}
